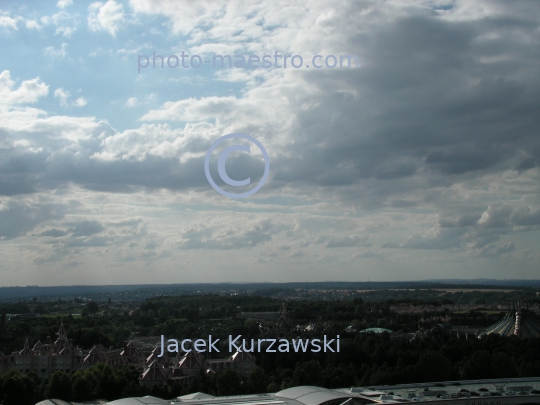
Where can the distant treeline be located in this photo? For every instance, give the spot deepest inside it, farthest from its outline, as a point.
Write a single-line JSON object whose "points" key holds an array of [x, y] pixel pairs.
{"points": [[20, 293], [435, 297]]}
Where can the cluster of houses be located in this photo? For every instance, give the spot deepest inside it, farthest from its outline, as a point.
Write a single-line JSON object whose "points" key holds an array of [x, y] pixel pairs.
{"points": [[45, 358]]}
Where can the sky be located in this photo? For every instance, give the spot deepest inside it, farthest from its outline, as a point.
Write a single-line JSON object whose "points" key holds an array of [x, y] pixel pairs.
{"points": [[422, 162]]}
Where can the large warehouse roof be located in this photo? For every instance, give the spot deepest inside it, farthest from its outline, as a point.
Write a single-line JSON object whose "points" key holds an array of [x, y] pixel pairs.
{"points": [[138, 401], [309, 395], [510, 391]]}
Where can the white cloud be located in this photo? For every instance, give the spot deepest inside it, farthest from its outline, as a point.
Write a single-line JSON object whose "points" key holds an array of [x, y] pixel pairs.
{"points": [[7, 22], [64, 3], [62, 95], [158, 140], [65, 31], [368, 254], [66, 23], [80, 102], [59, 53], [105, 16], [32, 25], [347, 241], [132, 102], [28, 92]]}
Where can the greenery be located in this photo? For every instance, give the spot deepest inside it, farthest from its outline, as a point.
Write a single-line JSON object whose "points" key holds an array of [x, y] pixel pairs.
{"points": [[364, 359], [100, 381]]}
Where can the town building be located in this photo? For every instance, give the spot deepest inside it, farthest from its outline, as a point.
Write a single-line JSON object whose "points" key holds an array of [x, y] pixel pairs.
{"points": [[191, 366], [61, 355]]}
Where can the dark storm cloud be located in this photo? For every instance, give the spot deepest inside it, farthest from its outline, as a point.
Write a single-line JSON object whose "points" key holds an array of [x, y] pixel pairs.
{"points": [[462, 161], [14, 185], [460, 221], [23, 172], [347, 241], [16, 218], [205, 237], [396, 171], [446, 238], [525, 216], [19, 171], [53, 233], [526, 164], [85, 228], [479, 232], [127, 176], [85, 233], [443, 97]]}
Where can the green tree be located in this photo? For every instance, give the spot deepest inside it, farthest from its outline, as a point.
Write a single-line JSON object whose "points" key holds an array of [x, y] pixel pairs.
{"points": [[228, 383], [103, 381], [133, 389], [92, 307], [433, 366], [504, 366], [160, 391], [482, 364], [272, 387], [59, 386], [40, 309], [82, 388], [17, 389], [257, 381], [308, 373]]}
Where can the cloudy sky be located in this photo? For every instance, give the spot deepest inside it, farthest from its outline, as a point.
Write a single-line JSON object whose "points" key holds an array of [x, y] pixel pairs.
{"points": [[422, 163]]}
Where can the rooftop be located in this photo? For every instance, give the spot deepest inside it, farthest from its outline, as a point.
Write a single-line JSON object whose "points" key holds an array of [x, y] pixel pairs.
{"points": [[506, 391], [460, 391]]}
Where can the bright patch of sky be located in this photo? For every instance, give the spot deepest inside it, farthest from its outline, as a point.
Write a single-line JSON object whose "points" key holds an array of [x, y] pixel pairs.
{"points": [[94, 57]]}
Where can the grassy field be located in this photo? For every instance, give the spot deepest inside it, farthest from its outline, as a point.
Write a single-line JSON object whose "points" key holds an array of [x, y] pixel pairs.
{"points": [[56, 315], [448, 290], [458, 290], [484, 311]]}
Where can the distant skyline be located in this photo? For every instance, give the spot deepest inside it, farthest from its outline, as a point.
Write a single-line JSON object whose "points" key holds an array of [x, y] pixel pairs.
{"points": [[523, 288], [423, 163]]}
